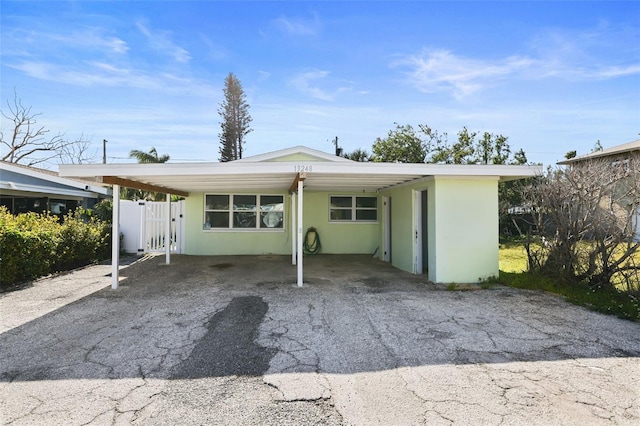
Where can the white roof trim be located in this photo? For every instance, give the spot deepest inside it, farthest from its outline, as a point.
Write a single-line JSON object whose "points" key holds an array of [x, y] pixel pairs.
{"points": [[330, 176], [292, 151], [31, 172], [614, 150], [291, 167], [13, 189]]}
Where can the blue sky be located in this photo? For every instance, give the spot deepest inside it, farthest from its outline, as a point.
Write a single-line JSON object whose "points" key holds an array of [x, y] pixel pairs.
{"points": [[552, 76]]}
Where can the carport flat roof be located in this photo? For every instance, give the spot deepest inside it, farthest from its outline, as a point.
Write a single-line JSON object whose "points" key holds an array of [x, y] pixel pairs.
{"points": [[275, 175]]}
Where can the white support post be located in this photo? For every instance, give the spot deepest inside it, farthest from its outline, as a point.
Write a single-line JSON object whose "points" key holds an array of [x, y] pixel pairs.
{"points": [[167, 232], [300, 236], [294, 231], [115, 238]]}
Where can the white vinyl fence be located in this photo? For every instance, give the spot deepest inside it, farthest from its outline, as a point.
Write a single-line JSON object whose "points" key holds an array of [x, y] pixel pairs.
{"points": [[143, 225]]}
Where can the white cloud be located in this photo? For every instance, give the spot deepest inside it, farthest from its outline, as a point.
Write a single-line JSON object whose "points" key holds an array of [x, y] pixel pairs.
{"points": [[298, 26], [96, 73], [303, 82], [308, 83], [160, 41], [440, 70], [23, 42]]}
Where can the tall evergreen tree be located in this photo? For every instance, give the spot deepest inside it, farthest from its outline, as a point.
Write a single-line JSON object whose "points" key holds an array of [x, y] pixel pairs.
{"points": [[234, 111]]}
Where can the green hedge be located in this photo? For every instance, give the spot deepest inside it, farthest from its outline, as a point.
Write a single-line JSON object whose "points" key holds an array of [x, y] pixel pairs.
{"points": [[33, 245]]}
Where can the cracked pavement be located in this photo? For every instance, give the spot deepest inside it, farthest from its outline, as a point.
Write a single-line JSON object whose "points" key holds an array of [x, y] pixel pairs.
{"points": [[231, 340]]}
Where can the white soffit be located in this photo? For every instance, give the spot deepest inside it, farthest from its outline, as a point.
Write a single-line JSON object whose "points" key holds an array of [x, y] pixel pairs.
{"points": [[329, 176]]}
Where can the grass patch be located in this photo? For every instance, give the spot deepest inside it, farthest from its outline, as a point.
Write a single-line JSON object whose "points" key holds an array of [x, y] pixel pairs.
{"points": [[513, 257], [513, 266], [620, 304]]}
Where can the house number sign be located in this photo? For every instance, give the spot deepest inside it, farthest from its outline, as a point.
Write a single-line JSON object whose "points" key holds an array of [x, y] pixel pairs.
{"points": [[302, 168]]}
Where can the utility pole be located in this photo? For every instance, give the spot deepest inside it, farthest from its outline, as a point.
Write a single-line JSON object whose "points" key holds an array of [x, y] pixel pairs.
{"points": [[338, 149], [104, 151]]}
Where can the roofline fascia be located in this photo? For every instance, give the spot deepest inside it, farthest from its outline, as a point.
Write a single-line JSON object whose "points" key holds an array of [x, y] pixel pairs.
{"points": [[52, 178], [288, 167], [10, 186]]}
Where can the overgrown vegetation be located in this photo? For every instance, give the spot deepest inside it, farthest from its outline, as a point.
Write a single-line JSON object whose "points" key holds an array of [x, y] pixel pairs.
{"points": [[34, 245], [619, 301], [584, 224]]}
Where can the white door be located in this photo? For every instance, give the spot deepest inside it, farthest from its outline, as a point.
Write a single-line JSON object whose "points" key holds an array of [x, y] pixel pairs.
{"points": [[417, 232]]}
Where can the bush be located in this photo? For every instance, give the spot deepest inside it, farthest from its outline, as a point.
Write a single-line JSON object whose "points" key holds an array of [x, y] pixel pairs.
{"points": [[33, 245], [80, 242]]}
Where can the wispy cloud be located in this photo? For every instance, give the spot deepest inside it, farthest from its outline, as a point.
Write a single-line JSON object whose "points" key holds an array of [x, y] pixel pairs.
{"points": [[161, 41], [20, 41], [438, 70], [298, 26], [308, 83], [97, 73]]}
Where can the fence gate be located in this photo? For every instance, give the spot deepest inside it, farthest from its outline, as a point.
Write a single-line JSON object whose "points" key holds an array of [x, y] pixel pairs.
{"points": [[153, 231]]}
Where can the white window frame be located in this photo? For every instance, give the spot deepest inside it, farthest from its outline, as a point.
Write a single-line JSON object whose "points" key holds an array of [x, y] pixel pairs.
{"points": [[260, 227], [354, 209]]}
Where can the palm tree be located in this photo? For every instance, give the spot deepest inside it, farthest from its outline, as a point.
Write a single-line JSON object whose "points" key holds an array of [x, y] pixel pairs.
{"points": [[144, 158], [148, 157]]}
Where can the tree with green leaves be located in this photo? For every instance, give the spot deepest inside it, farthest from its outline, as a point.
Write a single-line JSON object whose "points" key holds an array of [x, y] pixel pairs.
{"points": [[405, 144], [402, 145], [234, 111], [360, 155], [425, 145]]}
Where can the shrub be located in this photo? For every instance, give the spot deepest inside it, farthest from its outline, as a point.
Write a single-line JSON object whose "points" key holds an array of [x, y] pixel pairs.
{"points": [[33, 245], [80, 242]]}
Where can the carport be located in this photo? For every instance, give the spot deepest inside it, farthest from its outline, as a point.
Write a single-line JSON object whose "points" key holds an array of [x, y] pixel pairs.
{"points": [[298, 170]]}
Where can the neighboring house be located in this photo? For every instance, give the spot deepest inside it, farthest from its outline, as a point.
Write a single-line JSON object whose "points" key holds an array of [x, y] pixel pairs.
{"points": [[30, 189], [617, 155], [423, 218]]}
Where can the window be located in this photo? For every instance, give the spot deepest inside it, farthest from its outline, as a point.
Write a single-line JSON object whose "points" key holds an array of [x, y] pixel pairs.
{"points": [[353, 208], [243, 211]]}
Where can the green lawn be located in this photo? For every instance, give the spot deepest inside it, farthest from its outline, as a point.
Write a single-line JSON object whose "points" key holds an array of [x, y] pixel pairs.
{"points": [[513, 257]]}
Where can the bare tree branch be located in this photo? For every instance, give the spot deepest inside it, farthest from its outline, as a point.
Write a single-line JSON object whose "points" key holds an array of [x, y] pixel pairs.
{"points": [[586, 223], [27, 142], [79, 152]]}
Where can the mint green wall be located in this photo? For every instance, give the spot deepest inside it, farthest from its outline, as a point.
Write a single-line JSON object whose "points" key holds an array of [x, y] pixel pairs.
{"points": [[466, 237], [336, 238], [401, 229], [339, 237], [462, 228], [298, 157], [198, 241]]}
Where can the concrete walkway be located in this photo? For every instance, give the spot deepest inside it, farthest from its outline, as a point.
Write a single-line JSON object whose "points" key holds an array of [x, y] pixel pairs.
{"points": [[231, 340]]}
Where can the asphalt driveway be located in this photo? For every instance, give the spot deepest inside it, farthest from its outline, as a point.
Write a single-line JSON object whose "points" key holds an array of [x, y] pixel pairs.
{"points": [[231, 340]]}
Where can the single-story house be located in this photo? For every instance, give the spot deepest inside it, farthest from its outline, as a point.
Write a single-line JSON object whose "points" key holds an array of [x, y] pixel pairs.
{"points": [[31, 189], [441, 220]]}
